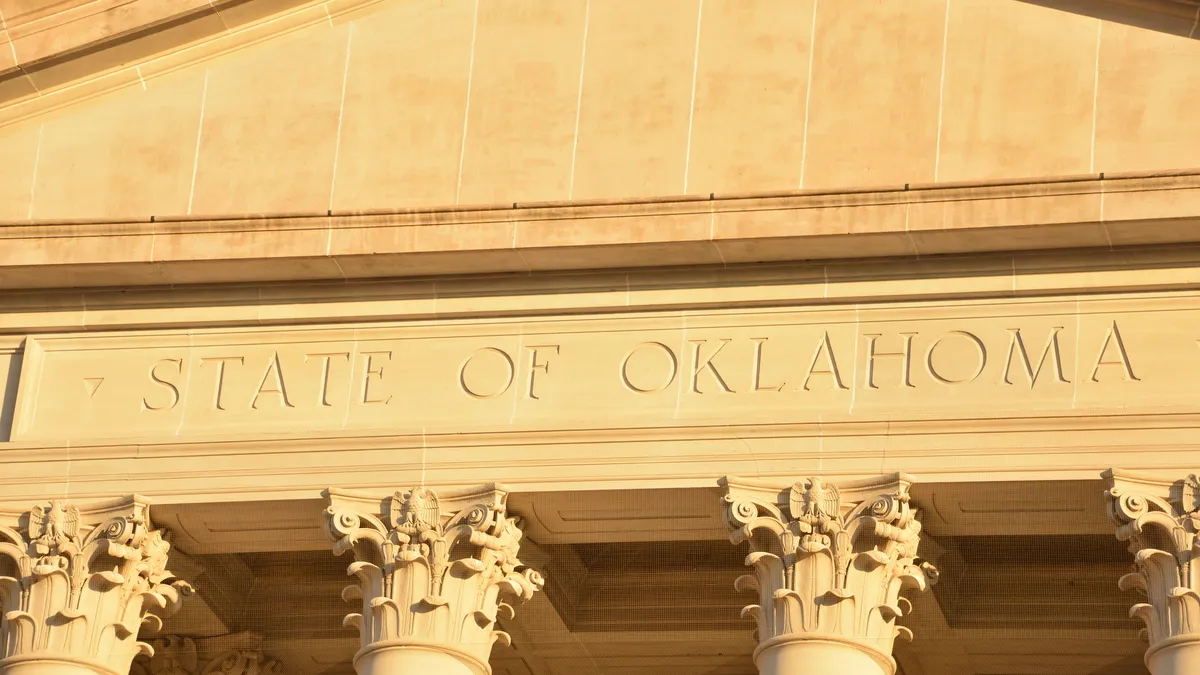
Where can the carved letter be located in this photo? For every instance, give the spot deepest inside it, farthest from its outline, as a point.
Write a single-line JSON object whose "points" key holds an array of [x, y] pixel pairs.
{"points": [[279, 388], [699, 367], [649, 390], [508, 380], [322, 399], [1051, 345], [378, 373], [906, 368], [824, 346], [756, 373], [978, 370], [220, 361], [1114, 335], [535, 366], [174, 389]]}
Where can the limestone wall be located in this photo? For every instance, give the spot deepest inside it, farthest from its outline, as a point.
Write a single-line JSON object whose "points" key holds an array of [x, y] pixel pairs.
{"points": [[409, 103]]}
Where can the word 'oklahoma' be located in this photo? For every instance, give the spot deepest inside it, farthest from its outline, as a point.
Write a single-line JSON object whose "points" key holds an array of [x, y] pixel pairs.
{"points": [[692, 367]]}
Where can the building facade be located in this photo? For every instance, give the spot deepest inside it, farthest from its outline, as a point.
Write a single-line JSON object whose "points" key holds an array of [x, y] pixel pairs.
{"points": [[599, 337]]}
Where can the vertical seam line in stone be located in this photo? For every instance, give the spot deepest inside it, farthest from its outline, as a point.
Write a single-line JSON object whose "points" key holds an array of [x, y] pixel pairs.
{"points": [[1195, 24], [812, 50], [937, 149], [37, 158], [187, 382], [337, 142], [1095, 96], [1078, 356], [13, 47], [687, 155], [199, 136], [138, 70], [587, 14], [462, 154]]}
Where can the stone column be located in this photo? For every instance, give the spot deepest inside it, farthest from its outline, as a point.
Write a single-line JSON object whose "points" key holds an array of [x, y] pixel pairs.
{"points": [[77, 584], [432, 571], [829, 564], [1159, 519]]}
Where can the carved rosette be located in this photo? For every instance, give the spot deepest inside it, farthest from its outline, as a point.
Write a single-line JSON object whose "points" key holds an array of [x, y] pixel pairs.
{"points": [[1160, 520], [228, 655], [828, 563], [432, 570], [76, 585]]}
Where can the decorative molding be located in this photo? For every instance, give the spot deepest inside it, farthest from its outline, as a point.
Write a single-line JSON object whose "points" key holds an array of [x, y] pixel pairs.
{"points": [[238, 654], [829, 562], [77, 584], [1160, 520], [1053, 214], [431, 569]]}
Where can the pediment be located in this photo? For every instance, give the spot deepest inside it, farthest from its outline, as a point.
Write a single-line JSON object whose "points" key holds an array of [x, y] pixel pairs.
{"points": [[181, 108]]}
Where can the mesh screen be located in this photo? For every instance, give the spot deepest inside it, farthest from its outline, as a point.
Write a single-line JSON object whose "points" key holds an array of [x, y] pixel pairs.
{"points": [[1003, 605]]}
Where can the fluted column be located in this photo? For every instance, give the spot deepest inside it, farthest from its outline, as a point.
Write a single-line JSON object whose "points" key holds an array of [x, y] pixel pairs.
{"points": [[1160, 519], [77, 584], [433, 570], [829, 564]]}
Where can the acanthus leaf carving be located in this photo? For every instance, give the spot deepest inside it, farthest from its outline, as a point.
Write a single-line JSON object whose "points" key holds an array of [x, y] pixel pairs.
{"points": [[1160, 521], [81, 583], [828, 561], [431, 569], [238, 654]]}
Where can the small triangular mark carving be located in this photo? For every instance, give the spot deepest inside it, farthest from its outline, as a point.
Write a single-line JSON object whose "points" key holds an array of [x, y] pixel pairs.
{"points": [[92, 384]]}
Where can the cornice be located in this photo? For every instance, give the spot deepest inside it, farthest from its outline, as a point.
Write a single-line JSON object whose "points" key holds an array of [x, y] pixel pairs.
{"points": [[1174, 17], [1091, 211], [73, 51]]}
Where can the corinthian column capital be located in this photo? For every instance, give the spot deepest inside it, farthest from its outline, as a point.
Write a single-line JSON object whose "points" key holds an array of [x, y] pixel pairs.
{"points": [[433, 570], [225, 655], [829, 564], [77, 584], [1160, 519]]}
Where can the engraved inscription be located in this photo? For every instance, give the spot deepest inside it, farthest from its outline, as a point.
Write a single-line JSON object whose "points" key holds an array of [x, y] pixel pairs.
{"points": [[653, 357], [824, 363], [488, 373], [272, 383], [1051, 350], [905, 355], [975, 344], [1112, 338], [699, 367], [602, 375], [536, 365], [374, 373], [160, 374], [326, 362]]}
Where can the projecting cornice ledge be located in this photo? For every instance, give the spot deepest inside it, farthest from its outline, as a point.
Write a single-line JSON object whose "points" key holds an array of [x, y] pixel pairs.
{"points": [[1062, 213]]}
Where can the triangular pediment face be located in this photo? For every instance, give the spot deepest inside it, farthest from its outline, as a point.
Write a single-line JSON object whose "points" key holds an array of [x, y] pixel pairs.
{"points": [[358, 105]]}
